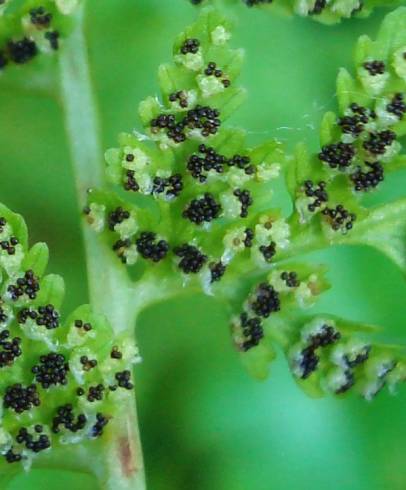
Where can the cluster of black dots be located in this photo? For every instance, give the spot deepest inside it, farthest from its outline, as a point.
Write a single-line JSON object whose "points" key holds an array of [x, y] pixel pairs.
{"points": [[212, 70], [180, 97], [3, 316], [120, 247], [10, 348], [117, 216], [9, 246], [245, 198], [192, 259], [217, 271], [252, 331], [174, 130], [309, 359], [266, 300], [291, 279], [21, 398], [81, 325], [170, 186], [130, 182], [98, 427], [337, 155], [242, 162], [378, 142], [363, 181], [3, 223], [318, 8], [203, 118], [354, 124], [65, 417], [351, 364], [268, 251], [88, 364], [150, 248], [360, 357], [249, 237], [209, 159], [190, 45], [25, 49], [95, 393], [52, 370], [123, 379], [38, 444], [317, 192], [13, 457], [40, 17], [204, 209], [46, 316], [397, 105], [339, 218], [116, 353], [375, 67], [27, 285]]}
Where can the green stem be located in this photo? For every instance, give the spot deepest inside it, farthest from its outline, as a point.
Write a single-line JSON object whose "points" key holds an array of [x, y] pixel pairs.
{"points": [[110, 290]]}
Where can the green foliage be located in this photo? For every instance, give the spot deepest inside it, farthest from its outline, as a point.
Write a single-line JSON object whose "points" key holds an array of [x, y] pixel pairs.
{"points": [[178, 211], [325, 11], [30, 27], [50, 367]]}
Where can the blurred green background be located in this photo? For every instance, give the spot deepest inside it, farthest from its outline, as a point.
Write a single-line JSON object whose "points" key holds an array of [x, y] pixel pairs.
{"points": [[205, 424]]}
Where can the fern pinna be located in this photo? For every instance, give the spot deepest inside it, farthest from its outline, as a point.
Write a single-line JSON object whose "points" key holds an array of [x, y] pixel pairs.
{"points": [[187, 205]]}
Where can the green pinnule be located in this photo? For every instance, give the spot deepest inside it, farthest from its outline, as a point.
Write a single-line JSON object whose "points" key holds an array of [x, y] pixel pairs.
{"points": [[324, 11], [188, 206], [33, 26], [192, 206], [62, 380]]}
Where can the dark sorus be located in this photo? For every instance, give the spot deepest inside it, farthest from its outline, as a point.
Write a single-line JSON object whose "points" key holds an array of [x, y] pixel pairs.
{"points": [[268, 251], [117, 216], [169, 186], [217, 270], [65, 417], [397, 105], [209, 159], [20, 398], [252, 331], [120, 247], [291, 279], [202, 210], [378, 142], [10, 348], [245, 198], [190, 45], [339, 218], [337, 155], [22, 51], [317, 192], [80, 324], [130, 183], [27, 285], [192, 259], [180, 97], [375, 67], [149, 247], [40, 17], [265, 301], [53, 38], [52, 369], [366, 180]]}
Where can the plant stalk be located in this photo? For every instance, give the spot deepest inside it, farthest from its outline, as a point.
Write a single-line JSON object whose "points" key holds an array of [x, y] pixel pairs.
{"points": [[110, 290]]}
